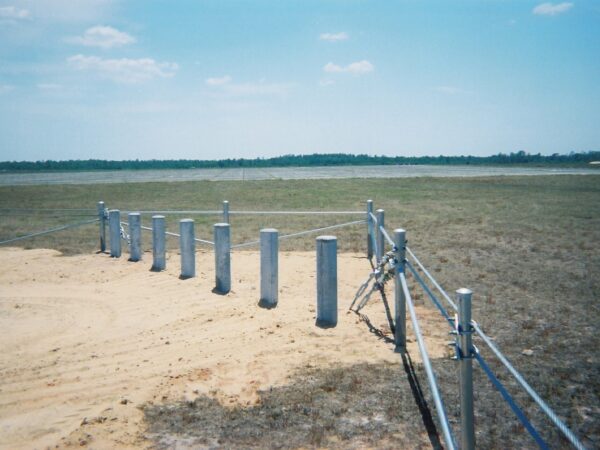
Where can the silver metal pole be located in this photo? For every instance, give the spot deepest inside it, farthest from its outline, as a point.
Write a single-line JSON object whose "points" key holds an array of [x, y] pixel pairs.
{"points": [[135, 236], [222, 240], [327, 281], [369, 229], [187, 246], [102, 223], [380, 214], [114, 231], [159, 260], [400, 299], [269, 267], [225, 211], [465, 353]]}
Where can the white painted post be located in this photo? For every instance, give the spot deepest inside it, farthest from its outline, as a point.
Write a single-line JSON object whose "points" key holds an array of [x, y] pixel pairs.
{"points": [[222, 258], [158, 244], [102, 221], [225, 211], [327, 313], [465, 353], [400, 300], [187, 246], [380, 239], [114, 229], [135, 236], [369, 229], [269, 267]]}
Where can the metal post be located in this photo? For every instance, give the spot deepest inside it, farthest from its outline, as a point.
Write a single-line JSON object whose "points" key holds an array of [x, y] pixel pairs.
{"points": [[400, 299], [187, 246], [465, 354], [114, 230], [326, 281], [222, 258], [158, 244], [380, 214], [225, 211], [102, 222], [269, 244], [135, 236], [369, 229]]}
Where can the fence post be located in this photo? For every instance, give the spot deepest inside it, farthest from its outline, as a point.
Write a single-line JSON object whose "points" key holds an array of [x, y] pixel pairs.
{"points": [[465, 354], [159, 260], [187, 246], [400, 300], [135, 236], [369, 229], [326, 281], [114, 229], [222, 258], [269, 267], [380, 243], [102, 222], [225, 211]]}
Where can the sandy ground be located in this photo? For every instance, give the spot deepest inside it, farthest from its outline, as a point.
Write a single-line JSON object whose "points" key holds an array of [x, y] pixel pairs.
{"points": [[88, 339]]}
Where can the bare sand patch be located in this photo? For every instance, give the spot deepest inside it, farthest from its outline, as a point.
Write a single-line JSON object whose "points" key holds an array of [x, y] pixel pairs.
{"points": [[88, 339]]}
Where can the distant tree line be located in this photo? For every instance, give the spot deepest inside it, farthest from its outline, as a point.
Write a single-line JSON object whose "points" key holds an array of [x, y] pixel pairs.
{"points": [[317, 159]]}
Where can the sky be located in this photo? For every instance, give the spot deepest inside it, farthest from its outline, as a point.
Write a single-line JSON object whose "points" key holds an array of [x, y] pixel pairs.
{"points": [[203, 79]]}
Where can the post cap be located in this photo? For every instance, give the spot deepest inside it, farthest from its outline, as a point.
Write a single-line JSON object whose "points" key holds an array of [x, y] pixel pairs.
{"points": [[158, 217], [134, 214], [326, 238], [221, 225], [186, 220], [269, 230], [464, 292]]}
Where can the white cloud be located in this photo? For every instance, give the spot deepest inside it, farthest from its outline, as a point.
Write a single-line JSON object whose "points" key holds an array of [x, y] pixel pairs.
{"points": [[334, 37], [12, 12], [551, 9], [356, 68], [124, 70], [218, 81], [451, 90], [103, 37], [5, 88], [326, 82]]}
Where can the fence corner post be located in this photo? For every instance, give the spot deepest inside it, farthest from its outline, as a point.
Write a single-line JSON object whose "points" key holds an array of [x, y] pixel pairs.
{"points": [[102, 220], [135, 236], [269, 267], [159, 260], [465, 356], [114, 225], [327, 311], [379, 251], [369, 229], [400, 300], [222, 258]]}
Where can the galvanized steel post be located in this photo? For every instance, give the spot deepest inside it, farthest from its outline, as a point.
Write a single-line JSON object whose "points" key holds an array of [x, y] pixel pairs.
{"points": [[135, 236], [102, 222], [222, 258], [187, 246], [465, 354], [225, 211], [114, 231], [269, 267], [369, 229], [379, 251], [159, 260], [400, 299], [327, 313]]}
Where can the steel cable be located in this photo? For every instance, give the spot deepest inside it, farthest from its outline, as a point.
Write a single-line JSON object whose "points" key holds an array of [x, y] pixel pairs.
{"points": [[51, 230]]}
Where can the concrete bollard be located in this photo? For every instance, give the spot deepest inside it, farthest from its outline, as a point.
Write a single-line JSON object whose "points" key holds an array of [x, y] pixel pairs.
{"points": [[102, 221], [369, 229], [380, 239], [225, 211], [222, 258], [400, 300], [159, 260], [114, 231], [326, 281], [135, 236], [187, 247], [465, 354], [269, 267]]}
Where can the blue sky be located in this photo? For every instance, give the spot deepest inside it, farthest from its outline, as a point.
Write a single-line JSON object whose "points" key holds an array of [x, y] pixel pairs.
{"points": [[119, 79]]}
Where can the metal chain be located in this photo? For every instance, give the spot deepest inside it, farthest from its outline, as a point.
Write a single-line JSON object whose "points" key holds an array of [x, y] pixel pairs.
{"points": [[380, 275], [124, 235]]}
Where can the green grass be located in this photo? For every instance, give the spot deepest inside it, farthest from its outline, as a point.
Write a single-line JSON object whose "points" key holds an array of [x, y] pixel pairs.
{"points": [[529, 247]]}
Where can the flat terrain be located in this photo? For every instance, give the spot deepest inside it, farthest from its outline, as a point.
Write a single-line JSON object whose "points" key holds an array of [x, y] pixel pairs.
{"points": [[527, 246]]}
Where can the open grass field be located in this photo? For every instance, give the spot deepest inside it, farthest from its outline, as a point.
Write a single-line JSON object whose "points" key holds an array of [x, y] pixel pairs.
{"points": [[529, 247]]}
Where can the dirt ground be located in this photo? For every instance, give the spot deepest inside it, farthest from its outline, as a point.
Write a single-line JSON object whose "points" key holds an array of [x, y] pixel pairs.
{"points": [[88, 340]]}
